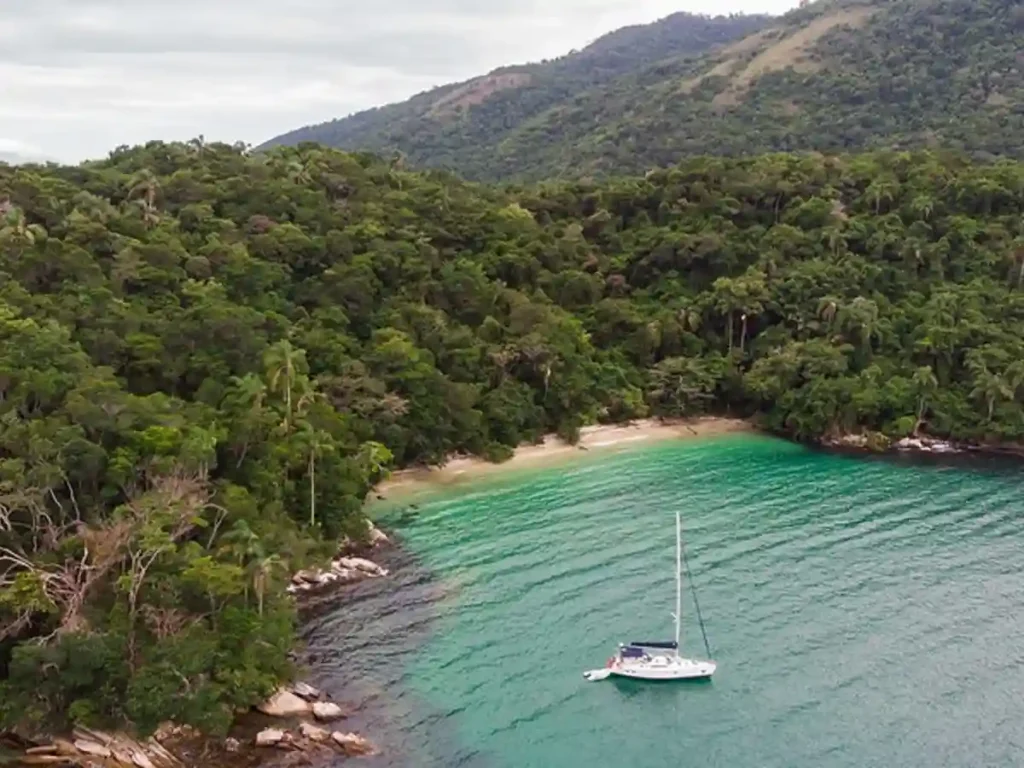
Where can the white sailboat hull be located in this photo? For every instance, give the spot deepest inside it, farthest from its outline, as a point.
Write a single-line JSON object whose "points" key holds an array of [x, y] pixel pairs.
{"points": [[662, 668]]}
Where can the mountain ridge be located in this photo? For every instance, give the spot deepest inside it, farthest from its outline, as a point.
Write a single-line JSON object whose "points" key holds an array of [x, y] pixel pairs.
{"points": [[505, 91], [830, 76]]}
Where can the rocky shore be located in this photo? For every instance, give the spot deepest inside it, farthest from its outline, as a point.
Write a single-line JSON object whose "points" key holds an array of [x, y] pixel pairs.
{"points": [[876, 442], [304, 733]]}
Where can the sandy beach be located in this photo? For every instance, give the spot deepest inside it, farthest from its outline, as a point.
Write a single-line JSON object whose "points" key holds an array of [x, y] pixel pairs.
{"points": [[594, 438]]}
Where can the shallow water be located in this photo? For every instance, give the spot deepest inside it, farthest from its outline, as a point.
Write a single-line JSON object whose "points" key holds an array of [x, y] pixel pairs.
{"points": [[863, 613]]}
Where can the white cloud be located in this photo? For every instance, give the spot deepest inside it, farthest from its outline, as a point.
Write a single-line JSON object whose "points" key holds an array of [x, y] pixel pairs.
{"points": [[83, 76]]}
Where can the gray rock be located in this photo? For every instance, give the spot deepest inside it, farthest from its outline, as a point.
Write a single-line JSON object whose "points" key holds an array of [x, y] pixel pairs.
{"points": [[92, 748], [284, 704], [353, 744], [306, 691], [269, 737], [313, 733], [325, 710]]}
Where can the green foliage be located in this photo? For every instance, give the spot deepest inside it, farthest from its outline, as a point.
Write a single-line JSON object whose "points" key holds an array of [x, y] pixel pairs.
{"points": [[827, 77], [463, 126], [212, 356]]}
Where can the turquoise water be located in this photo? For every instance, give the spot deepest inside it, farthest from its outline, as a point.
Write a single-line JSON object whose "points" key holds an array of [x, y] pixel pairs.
{"points": [[862, 613]]}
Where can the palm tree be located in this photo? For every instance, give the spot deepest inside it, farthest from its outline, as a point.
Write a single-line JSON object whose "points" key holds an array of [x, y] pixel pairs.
{"points": [[690, 319], [835, 237], [1017, 264], [926, 384], [1015, 376], [263, 569], [15, 228], [991, 388], [249, 390], [859, 318], [298, 173], [727, 302], [317, 443], [145, 186], [882, 189], [923, 206], [243, 543], [375, 457], [753, 293], [150, 215], [285, 366], [828, 308], [248, 394]]}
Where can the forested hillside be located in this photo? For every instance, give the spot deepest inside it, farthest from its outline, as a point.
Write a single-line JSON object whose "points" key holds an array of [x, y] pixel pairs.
{"points": [[447, 125], [836, 75], [207, 359]]}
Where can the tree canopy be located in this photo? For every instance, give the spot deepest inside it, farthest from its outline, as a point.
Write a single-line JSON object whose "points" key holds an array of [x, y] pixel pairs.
{"points": [[208, 357]]}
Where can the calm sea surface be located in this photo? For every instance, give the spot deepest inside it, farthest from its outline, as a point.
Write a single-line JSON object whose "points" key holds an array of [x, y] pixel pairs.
{"points": [[862, 613]]}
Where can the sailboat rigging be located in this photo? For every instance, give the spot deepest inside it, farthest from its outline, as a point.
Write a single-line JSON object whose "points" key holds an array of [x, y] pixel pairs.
{"points": [[661, 660]]}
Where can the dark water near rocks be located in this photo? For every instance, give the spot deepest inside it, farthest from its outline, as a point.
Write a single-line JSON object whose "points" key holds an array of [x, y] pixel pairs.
{"points": [[863, 613]]}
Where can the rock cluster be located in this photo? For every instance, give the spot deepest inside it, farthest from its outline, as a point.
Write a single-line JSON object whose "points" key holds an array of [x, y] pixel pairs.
{"points": [[300, 700], [96, 749], [344, 570], [310, 736], [303, 700], [877, 442], [926, 445]]}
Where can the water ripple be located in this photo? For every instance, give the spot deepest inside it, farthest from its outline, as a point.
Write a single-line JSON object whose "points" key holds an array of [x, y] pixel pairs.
{"points": [[862, 612]]}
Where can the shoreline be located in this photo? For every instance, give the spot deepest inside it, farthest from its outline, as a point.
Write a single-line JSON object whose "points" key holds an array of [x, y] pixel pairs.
{"points": [[599, 437], [191, 748]]}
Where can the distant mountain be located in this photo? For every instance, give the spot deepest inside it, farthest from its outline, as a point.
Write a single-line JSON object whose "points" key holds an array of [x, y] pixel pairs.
{"points": [[833, 75], [459, 125]]}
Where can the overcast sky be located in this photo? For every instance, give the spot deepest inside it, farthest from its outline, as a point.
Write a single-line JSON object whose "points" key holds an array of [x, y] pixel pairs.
{"points": [[79, 77]]}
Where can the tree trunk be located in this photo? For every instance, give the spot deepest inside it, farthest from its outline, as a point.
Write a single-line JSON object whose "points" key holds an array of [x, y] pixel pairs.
{"points": [[260, 588], [729, 330], [288, 404], [312, 488], [743, 334]]}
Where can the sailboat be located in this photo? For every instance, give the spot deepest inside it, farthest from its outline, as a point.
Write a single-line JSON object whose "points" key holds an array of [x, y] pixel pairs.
{"points": [[658, 660]]}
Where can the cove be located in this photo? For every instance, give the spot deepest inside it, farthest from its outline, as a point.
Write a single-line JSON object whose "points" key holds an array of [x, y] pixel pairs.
{"points": [[862, 613]]}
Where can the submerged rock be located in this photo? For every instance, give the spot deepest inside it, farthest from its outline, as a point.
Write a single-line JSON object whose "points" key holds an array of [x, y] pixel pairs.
{"points": [[353, 744], [325, 710], [284, 704]]}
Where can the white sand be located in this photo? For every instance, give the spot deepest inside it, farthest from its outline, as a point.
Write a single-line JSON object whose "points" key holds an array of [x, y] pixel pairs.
{"points": [[553, 449]]}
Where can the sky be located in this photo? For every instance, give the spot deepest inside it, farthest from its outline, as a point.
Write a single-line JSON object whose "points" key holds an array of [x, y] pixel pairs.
{"points": [[81, 77]]}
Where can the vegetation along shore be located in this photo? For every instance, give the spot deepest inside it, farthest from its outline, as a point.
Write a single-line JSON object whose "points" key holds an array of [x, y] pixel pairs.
{"points": [[209, 357]]}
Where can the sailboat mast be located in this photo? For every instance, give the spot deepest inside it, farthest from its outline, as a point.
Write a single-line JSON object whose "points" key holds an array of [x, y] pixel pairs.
{"points": [[679, 575]]}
